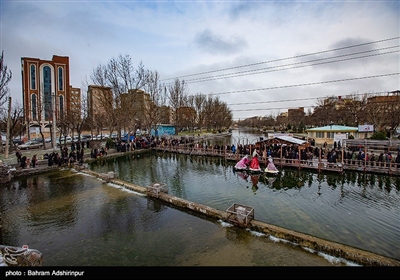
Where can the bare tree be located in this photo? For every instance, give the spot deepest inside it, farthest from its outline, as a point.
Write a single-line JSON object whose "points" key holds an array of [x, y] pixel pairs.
{"points": [[199, 101], [192, 117], [267, 122], [157, 98], [5, 78], [120, 75], [105, 76], [224, 120], [77, 118], [350, 109], [210, 111], [325, 112], [384, 111], [16, 126], [63, 129], [177, 97], [392, 116]]}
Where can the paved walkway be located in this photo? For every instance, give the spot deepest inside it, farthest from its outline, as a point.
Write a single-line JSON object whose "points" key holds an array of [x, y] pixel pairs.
{"points": [[12, 159]]}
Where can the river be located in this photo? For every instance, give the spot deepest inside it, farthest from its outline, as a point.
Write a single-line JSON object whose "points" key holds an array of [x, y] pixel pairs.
{"points": [[78, 220]]}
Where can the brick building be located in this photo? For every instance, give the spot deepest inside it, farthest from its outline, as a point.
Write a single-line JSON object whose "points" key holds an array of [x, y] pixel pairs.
{"points": [[45, 87]]}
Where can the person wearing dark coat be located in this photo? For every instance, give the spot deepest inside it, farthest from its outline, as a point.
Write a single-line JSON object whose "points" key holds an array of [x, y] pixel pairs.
{"points": [[23, 162], [18, 154], [398, 160], [50, 159]]}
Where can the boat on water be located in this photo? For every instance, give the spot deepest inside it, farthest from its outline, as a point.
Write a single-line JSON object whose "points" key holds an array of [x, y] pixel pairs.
{"points": [[254, 165], [271, 168], [243, 163], [255, 170], [250, 165]]}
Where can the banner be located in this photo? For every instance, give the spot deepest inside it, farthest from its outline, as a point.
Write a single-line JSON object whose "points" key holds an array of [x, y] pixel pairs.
{"points": [[366, 128]]}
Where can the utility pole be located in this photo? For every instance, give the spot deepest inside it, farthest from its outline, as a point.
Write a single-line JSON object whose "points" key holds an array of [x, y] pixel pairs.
{"points": [[54, 122], [8, 128]]}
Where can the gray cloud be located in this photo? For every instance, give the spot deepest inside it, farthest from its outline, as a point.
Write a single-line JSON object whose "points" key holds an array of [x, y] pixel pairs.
{"points": [[217, 44], [238, 36]]}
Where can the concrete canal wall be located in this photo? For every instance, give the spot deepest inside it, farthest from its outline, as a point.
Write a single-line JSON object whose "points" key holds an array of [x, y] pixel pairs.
{"points": [[312, 243]]}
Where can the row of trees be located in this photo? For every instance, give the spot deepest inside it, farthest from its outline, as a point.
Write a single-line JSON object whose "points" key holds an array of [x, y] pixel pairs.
{"points": [[124, 112], [190, 110], [121, 111], [380, 110]]}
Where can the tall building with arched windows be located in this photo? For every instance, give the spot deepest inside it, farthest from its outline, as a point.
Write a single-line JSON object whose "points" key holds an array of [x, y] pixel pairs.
{"points": [[45, 86]]}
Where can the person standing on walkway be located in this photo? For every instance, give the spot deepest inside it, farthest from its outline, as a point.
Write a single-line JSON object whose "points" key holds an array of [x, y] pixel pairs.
{"points": [[23, 162], [34, 161], [18, 154]]}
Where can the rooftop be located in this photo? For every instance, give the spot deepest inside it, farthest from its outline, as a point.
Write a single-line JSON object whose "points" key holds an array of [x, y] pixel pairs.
{"points": [[334, 128]]}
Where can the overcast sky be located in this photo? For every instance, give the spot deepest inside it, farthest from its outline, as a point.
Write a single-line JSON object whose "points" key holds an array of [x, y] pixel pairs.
{"points": [[303, 50]]}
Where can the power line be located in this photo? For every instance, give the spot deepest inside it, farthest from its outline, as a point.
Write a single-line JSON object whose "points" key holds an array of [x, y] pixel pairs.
{"points": [[272, 101], [314, 106], [259, 71], [298, 99], [269, 109], [281, 59], [306, 84]]}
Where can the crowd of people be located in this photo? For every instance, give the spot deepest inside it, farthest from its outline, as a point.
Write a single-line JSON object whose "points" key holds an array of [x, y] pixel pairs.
{"points": [[26, 162], [261, 152], [66, 156]]}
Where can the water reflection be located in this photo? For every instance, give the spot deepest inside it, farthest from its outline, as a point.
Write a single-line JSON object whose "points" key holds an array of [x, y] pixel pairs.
{"points": [[78, 220], [352, 208]]}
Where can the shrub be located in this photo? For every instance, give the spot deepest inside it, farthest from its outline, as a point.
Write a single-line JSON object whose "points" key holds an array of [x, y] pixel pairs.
{"points": [[379, 135]]}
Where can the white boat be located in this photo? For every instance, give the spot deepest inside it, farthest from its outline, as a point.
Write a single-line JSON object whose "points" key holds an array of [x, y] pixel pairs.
{"points": [[271, 168]]}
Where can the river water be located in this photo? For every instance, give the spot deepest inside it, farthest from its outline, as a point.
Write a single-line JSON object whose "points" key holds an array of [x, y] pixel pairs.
{"points": [[75, 219], [78, 220]]}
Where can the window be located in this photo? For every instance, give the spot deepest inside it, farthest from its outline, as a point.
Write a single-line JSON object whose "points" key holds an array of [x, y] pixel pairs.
{"points": [[320, 134], [331, 135], [34, 107], [47, 93], [61, 100], [60, 79], [33, 76]]}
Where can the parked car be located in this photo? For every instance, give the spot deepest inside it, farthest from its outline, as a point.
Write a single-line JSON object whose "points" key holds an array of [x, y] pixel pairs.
{"points": [[114, 135], [101, 137], [87, 137], [64, 140], [83, 139], [3, 139], [30, 144], [17, 141], [37, 139]]}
